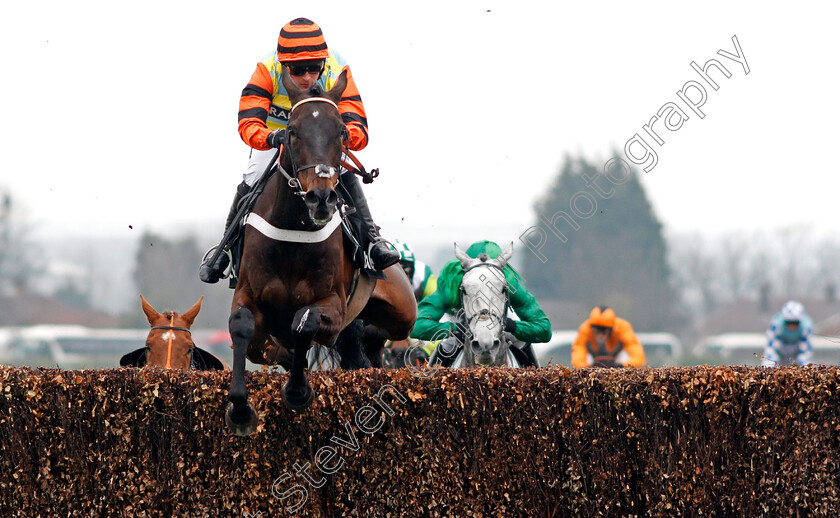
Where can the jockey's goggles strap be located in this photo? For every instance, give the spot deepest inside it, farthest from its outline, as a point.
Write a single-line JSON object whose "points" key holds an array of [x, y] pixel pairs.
{"points": [[312, 99]]}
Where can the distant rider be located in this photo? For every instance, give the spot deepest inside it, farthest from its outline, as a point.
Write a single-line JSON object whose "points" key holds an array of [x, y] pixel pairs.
{"points": [[423, 281], [533, 325], [605, 340], [789, 337]]}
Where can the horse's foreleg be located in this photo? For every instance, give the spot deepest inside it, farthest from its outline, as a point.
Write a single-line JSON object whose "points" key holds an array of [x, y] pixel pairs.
{"points": [[240, 415], [297, 393], [319, 322]]}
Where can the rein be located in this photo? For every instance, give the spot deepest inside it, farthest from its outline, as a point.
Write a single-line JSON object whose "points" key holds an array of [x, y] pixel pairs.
{"points": [[173, 327]]}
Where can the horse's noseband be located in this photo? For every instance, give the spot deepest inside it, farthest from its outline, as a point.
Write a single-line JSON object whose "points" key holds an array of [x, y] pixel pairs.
{"points": [[321, 170]]}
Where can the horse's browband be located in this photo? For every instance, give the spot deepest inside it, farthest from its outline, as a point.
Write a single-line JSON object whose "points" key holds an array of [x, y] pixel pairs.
{"points": [[312, 99], [173, 328], [491, 265]]}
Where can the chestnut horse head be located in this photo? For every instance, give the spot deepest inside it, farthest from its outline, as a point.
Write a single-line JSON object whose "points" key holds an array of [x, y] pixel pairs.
{"points": [[169, 343]]}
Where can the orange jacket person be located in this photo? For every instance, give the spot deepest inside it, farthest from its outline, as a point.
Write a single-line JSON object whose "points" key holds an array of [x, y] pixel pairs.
{"points": [[264, 109], [606, 341]]}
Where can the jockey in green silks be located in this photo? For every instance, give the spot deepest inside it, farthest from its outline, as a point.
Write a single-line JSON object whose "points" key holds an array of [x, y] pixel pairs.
{"points": [[423, 281], [533, 325]]}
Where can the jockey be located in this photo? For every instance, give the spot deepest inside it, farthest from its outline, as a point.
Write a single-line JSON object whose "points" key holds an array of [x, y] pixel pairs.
{"points": [[605, 340], [533, 325], [423, 281], [789, 337], [264, 109]]}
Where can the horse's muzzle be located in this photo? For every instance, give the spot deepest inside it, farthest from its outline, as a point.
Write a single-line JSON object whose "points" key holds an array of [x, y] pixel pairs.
{"points": [[485, 355], [321, 204]]}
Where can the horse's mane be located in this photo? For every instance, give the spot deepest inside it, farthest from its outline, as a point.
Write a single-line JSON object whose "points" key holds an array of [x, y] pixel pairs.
{"points": [[316, 91]]}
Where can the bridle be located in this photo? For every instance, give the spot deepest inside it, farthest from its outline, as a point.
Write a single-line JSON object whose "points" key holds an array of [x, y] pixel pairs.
{"points": [[173, 327], [485, 312], [321, 170]]}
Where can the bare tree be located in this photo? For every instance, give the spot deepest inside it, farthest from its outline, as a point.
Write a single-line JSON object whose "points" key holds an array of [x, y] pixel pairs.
{"points": [[734, 257], [827, 268], [19, 255], [697, 273], [794, 257]]}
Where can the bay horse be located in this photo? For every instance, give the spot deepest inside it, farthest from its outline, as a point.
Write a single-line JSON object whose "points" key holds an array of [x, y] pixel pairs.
{"points": [[170, 344], [297, 284]]}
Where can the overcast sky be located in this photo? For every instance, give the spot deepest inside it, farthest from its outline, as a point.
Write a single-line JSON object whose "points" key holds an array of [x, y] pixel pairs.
{"points": [[115, 113]]}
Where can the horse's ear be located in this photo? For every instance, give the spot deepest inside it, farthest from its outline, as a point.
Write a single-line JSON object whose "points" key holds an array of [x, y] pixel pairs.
{"points": [[506, 255], [151, 313], [338, 88], [191, 313], [464, 258], [294, 92]]}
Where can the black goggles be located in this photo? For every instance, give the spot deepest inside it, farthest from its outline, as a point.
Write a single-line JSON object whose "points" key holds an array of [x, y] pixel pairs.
{"points": [[601, 329], [309, 68]]}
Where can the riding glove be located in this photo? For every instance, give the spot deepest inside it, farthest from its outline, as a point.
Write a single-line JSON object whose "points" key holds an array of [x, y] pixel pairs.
{"points": [[510, 325], [458, 333], [276, 138]]}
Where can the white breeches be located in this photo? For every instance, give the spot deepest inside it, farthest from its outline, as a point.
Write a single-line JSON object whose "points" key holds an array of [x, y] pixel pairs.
{"points": [[257, 165]]}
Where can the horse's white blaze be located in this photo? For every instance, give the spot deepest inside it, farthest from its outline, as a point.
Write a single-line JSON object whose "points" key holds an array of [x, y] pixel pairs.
{"points": [[315, 114], [168, 334]]}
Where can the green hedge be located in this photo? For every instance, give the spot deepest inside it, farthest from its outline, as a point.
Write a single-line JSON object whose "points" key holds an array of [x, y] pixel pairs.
{"points": [[700, 441]]}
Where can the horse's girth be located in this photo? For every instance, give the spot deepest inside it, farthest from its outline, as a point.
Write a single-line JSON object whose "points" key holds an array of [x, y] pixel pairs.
{"points": [[359, 297]]}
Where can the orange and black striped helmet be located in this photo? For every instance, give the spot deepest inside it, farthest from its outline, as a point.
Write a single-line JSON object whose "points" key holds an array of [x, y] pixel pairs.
{"points": [[301, 40]]}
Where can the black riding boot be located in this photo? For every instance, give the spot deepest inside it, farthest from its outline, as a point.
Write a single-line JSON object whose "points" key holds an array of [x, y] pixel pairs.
{"points": [[381, 256], [528, 349], [211, 271]]}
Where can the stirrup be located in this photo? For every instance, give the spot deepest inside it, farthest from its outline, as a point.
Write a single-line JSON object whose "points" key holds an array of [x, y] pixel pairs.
{"points": [[368, 256], [228, 270]]}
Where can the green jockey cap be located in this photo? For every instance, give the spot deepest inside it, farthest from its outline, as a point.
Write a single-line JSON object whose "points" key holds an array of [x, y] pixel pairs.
{"points": [[405, 250], [452, 273]]}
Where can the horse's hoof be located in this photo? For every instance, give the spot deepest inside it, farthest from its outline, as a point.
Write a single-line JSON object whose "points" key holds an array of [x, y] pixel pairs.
{"points": [[247, 423], [299, 399]]}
